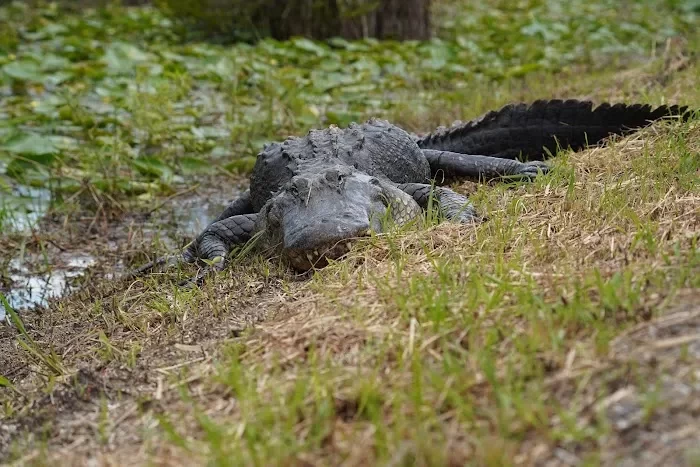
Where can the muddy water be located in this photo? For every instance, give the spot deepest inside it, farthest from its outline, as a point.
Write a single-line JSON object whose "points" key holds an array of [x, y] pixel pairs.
{"points": [[23, 207], [31, 289], [35, 278]]}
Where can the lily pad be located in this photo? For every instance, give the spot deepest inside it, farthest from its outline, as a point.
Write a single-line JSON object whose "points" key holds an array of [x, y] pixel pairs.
{"points": [[153, 166], [23, 70], [122, 57], [29, 144]]}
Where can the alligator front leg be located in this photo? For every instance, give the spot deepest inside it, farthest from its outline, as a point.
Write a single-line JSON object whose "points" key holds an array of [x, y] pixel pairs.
{"points": [[453, 165], [217, 240], [213, 244], [239, 206], [452, 205]]}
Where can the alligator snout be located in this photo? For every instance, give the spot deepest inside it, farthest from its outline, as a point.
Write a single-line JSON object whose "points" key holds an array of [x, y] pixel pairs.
{"points": [[312, 248], [304, 260], [315, 217]]}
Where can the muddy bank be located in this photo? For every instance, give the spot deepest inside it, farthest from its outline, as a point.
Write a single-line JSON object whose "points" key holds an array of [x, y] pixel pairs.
{"points": [[49, 256]]}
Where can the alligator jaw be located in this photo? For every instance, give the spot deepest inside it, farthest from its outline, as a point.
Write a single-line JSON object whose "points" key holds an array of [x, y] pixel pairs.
{"points": [[304, 260]]}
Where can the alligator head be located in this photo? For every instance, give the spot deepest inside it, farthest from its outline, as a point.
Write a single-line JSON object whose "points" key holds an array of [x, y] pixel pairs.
{"points": [[316, 215]]}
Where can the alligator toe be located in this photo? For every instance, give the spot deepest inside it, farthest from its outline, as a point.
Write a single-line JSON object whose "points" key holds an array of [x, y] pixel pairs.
{"points": [[534, 168]]}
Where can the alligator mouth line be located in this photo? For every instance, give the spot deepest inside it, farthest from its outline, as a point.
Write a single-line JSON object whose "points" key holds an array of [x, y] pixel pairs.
{"points": [[306, 259]]}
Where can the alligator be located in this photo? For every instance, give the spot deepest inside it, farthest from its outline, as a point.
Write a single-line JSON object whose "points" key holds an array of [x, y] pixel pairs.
{"points": [[310, 196]]}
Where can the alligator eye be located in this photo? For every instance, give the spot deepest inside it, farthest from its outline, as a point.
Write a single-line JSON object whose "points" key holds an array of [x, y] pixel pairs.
{"points": [[334, 176], [374, 181]]}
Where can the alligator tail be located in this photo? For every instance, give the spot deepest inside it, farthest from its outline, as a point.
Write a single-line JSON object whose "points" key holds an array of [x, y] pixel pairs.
{"points": [[530, 131]]}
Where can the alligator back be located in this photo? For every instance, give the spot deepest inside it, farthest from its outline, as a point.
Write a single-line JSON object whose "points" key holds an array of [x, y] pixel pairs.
{"points": [[528, 131], [375, 147]]}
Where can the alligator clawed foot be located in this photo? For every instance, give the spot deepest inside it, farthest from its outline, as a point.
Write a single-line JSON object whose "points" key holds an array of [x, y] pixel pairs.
{"points": [[468, 216], [532, 169], [167, 261], [211, 267], [189, 255]]}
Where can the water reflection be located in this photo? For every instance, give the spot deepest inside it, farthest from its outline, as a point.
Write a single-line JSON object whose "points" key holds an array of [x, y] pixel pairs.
{"points": [[22, 207], [35, 279], [31, 289]]}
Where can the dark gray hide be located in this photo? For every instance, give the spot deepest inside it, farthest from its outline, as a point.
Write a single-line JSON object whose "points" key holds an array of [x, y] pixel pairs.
{"points": [[310, 196], [375, 147]]}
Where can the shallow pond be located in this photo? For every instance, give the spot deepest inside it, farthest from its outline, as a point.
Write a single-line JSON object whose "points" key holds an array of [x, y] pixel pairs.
{"points": [[22, 207], [36, 278]]}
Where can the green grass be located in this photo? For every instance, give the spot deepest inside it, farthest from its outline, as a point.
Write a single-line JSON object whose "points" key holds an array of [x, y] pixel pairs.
{"points": [[517, 340]]}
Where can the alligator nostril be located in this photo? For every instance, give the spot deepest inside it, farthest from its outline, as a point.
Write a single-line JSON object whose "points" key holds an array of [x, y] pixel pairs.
{"points": [[300, 183], [333, 175]]}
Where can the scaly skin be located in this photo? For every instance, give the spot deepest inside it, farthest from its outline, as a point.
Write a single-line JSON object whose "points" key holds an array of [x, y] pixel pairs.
{"points": [[309, 197]]}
